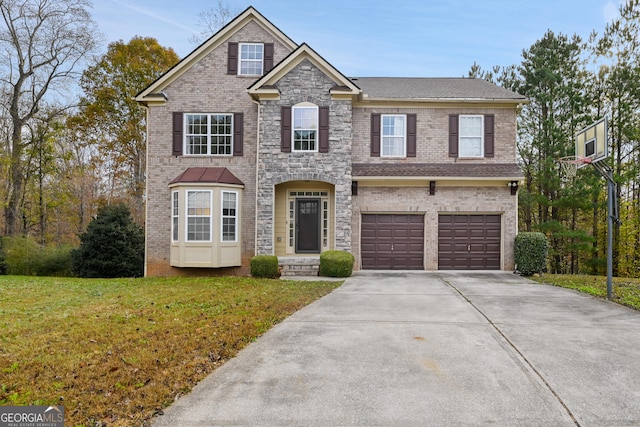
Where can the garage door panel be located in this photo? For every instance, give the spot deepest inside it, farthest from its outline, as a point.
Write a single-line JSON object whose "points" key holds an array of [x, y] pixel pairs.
{"points": [[493, 247], [493, 234], [469, 242], [477, 233], [383, 219], [400, 234], [460, 219]]}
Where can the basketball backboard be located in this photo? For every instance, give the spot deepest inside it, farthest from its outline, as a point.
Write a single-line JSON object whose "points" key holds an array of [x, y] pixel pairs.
{"points": [[591, 143]]}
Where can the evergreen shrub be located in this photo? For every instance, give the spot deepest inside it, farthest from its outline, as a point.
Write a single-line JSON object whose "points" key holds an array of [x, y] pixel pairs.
{"points": [[336, 264], [265, 266], [112, 246], [531, 250]]}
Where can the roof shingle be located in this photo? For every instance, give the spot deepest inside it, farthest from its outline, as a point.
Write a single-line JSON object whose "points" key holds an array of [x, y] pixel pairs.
{"points": [[434, 89], [437, 170], [207, 175]]}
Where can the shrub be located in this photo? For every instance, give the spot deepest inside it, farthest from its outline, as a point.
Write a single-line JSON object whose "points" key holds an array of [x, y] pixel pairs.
{"points": [[336, 264], [3, 264], [55, 261], [531, 253], [265, 266], [112, 246], [22, 255]]}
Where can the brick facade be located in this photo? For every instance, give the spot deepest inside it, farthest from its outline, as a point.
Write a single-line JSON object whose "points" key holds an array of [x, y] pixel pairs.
{"points": [[202, 85], [203, 88]]}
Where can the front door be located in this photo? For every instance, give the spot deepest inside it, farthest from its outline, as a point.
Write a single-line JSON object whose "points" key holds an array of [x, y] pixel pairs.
{"points": [[308, 226]]}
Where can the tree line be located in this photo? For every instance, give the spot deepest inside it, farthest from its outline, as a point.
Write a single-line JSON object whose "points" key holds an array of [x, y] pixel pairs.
{"points": [[570, 84], [65, 152]]}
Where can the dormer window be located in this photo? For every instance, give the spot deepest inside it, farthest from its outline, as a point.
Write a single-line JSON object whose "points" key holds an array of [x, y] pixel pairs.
{"points": [[251, 59]]}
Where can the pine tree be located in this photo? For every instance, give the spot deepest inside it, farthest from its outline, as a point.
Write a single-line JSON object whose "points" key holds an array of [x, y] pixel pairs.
{"points": [[112, 246]]}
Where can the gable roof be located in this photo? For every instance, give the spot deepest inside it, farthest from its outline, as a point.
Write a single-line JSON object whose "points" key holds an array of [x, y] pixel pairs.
{"points": [[153, 92], [434, 89], [265, 85]]}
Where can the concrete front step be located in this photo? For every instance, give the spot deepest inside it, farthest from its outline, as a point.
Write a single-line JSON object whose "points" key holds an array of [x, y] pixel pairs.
{"points": [[299, 266]]}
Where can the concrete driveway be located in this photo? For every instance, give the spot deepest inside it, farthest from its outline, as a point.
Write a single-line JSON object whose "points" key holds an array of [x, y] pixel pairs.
{"points": [[426, 348]]}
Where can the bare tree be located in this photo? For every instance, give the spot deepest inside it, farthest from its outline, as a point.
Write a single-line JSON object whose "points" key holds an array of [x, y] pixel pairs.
{"points": [[213, 19], [42, 45]]}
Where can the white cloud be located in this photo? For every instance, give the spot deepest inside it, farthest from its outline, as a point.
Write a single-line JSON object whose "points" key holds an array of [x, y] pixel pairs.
{"points": [[153, 15], [610, 10]]}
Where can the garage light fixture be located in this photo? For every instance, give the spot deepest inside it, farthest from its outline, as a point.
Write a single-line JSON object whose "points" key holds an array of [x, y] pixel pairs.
{"points": [[514, 187], [432, 188]]}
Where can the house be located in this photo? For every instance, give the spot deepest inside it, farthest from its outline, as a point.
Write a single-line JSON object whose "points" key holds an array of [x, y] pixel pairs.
{"points": [[258, 145]]}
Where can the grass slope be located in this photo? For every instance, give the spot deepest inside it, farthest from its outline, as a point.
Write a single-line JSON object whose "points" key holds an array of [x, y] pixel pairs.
{"points": [[115, 352], [625, 291]]}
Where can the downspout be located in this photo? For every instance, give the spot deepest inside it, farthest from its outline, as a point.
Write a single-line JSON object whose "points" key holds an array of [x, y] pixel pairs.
{"points": [[255, 215], [146, 188]]}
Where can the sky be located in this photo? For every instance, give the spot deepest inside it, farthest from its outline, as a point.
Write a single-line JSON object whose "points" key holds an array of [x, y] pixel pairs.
{"points": [[373, 38]]}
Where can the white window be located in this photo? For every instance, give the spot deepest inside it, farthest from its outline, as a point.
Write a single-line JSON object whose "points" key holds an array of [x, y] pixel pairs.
{"points": [[471, 143], [198, 216], [175, 217], [251, 59], [229, 216], [209, 134], [394, 135], [305, 128]]}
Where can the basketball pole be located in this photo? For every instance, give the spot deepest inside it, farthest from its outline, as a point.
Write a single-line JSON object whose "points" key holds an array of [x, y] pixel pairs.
{"points": [[607, 173]]}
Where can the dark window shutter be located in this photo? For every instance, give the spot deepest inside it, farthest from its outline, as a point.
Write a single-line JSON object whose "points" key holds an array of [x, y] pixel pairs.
{"points": [[411, 135], [285, 130], [268, 57], [177, 133], [489, 135], [232, 59], [323, 130], [238, 133], [375, 135], [453, 135]]}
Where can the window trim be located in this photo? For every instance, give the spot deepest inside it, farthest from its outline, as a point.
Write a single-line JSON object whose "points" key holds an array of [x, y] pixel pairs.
{"points": [[223, 217], [461, 136], [316, 139], [187, 216], [383, 136], [240, 60], [175, 216], [209, 135]]}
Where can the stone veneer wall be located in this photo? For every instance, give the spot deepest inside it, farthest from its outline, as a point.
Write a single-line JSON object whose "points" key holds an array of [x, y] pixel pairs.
{"points": [[462, 200], [305, 83]]}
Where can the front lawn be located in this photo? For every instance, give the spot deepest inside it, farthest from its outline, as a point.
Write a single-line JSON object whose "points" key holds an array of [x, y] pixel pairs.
{"points": [[115, 352], [626, 291]]}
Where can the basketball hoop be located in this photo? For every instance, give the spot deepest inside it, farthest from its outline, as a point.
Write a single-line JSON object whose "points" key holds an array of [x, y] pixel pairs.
{"points": [[569, 165]]}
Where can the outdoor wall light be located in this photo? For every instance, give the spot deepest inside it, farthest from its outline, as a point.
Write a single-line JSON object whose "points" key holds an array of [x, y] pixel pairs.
{"points": [[432, 188], [354, 188], [514, 187]]}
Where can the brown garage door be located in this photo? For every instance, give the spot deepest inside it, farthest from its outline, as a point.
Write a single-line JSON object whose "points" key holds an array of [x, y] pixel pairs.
{"points": [[469, 242], [392, 242]]}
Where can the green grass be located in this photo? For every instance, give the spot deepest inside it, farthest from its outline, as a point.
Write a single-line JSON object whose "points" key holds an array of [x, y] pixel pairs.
{"points": [[625, 291], [115, 352]]}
